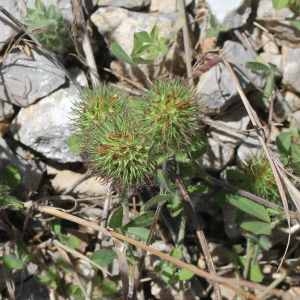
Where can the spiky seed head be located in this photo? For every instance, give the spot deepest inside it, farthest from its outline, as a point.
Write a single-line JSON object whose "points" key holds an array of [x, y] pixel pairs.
{"points": [[97, 106], [171, 115], [118, 150], [256, 176]]}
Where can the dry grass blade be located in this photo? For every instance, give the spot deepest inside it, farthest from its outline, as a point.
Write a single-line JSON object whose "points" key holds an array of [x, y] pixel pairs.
{"points": [[261, 136], [234, 284]]}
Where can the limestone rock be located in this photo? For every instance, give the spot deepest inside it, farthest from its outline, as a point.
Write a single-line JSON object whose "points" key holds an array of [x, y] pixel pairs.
{"points": [[64, 179], [231, 13], [26, 79], [7, 28], [166, 6], [216, 90], [291, 68], [46, 126]]}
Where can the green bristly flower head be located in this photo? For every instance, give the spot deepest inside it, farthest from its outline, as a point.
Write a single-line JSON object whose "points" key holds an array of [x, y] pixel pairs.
{"points": [[125, 138], [171, 115], [97, 106], [257, 177], [119, 150]]}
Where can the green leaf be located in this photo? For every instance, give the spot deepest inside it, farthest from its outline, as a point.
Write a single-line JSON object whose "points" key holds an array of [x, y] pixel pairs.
{"points": [[279, 4], [249, 207], [154, 201], [11, 176], [12, 262], [177, 252], [296, 24], [257, 227], [255, 273], [144, 220], [139, 232], [50, 277], [120, 53], [70, 240], [284, 141], [269, 87], [264, 242], [103, 257], [258, 67], [109, 287], [184, 274], [9, 202], [116, 218], [76, 292]]}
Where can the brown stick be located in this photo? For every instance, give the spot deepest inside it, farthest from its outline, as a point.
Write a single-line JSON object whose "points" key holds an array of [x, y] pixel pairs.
{"points": [[186, 42], [233, 284]]}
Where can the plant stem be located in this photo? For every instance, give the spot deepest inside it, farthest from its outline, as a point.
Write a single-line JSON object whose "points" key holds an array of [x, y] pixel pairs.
{"points": [[199, 231]]}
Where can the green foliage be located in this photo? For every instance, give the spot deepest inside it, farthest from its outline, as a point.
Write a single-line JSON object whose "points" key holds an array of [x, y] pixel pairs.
{"points": [[294, 5], [127, 138], [171, 274], [147, 47], [12, 262], [249, 207], [18, 260], [288, 143], [10, 178], [49, 27], [119, 150], [171, 117], [69, 240], [269, 72], [256, 176], [103, 257]]}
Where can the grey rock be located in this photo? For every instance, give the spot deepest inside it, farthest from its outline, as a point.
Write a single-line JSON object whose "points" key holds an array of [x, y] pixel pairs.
{"points": [[6, 110], [129, 4], [266, 10], [292, 101], [61, 180], [7, 28], [291, 68], [247, 149], [216, 90], [277, 22], [166, 6], [295, 119], [26, 79], [46, 126], [65, 7], [78, 77], [231, 13], [275, 59], [219, 155], [120, 24], [269, 44], [222, 143]]}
